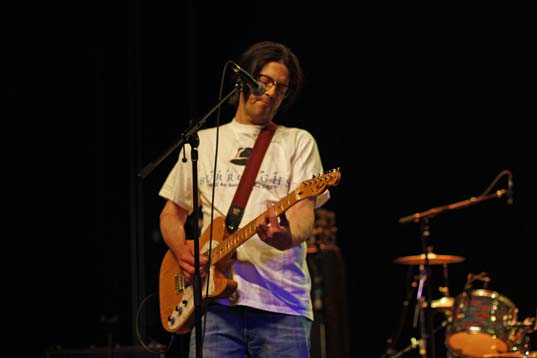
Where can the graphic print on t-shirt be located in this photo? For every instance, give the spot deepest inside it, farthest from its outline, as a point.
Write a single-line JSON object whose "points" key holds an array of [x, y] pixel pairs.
{"points": [[242, 156]]}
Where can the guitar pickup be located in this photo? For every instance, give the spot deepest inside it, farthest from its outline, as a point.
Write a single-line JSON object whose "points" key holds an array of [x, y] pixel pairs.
{"points": [[180, 283]]}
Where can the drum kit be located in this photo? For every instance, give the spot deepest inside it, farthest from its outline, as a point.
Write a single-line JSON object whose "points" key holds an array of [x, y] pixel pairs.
{"points": [[479, 323]]}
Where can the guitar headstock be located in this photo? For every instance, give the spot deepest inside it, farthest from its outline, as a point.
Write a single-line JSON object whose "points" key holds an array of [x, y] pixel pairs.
{"points": [[318, 184]]}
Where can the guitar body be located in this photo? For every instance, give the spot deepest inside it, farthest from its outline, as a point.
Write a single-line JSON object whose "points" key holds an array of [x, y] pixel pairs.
{"points": [[176, 296]]}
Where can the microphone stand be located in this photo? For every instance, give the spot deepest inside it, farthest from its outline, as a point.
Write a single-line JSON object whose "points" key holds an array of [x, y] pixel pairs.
{"points": [[458, 205], [190, 136]]}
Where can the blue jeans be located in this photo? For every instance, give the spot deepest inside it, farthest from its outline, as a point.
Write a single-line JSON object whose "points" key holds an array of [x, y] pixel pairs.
{"points": [[237, 332]]}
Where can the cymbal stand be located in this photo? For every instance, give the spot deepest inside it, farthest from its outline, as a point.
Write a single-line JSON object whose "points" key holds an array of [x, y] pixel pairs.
{"points": [[426, 327], [424, 316], [392, 341], [419, 314], [419, 295], [415, 343]]}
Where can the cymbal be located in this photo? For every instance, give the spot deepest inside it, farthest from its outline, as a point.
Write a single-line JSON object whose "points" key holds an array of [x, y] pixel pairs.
{"points": [[433, 258]]}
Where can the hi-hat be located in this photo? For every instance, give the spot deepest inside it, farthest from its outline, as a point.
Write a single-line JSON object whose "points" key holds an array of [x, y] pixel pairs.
{"points": [[433, 259], [443, 304]]}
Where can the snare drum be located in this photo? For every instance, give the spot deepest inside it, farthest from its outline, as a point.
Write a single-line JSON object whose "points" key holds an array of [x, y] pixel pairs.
{"points": [[481, 321]]}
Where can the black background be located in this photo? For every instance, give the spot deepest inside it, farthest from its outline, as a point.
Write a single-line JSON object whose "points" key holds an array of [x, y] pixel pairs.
{"points": [[419, 105]]}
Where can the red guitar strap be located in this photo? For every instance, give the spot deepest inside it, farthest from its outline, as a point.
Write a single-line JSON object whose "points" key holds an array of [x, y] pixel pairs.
{"points": [[236, 210]]}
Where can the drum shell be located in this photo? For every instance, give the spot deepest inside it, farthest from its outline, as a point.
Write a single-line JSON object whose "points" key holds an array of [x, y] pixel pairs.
{"points": [[480, 324]]}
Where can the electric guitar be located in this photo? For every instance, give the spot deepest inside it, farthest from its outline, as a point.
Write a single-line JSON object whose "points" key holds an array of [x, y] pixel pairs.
{"points": [[176, 296]]}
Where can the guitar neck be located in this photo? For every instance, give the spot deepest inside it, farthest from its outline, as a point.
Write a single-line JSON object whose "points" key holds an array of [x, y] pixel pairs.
{"points": [[236, 239]]}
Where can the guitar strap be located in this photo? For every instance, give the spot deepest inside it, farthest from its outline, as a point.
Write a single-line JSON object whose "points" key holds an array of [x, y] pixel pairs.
{"points": [[236, 210]]}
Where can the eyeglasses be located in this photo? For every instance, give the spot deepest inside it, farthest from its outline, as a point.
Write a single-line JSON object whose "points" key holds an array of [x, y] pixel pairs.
{"points": [[281, 89]]}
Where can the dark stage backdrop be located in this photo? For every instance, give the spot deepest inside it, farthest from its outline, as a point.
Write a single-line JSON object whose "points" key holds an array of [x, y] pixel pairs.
{"points": [[420, 105]]}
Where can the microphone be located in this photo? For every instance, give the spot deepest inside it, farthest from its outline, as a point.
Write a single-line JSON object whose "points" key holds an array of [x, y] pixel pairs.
{"points": [[257, 88], [510, 190]]}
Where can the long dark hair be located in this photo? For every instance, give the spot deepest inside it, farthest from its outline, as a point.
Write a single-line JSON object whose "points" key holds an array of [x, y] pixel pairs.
{"points": [[261, 53]]}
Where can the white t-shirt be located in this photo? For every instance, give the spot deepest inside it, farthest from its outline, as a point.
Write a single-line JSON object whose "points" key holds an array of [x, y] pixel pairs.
{"points": [[268, 279]]}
